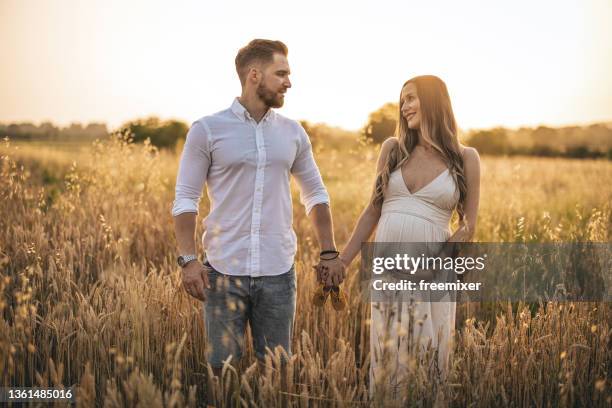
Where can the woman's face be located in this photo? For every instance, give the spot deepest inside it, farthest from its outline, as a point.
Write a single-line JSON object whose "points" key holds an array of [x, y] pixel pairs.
{"points": [[410, 106]]}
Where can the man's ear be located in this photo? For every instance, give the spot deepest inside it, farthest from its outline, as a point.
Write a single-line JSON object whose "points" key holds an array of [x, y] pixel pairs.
{"points": [[253, 75]]}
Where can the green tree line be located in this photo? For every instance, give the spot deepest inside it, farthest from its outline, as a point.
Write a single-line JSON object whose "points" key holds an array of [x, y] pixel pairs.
{"points": [[593, 141]]}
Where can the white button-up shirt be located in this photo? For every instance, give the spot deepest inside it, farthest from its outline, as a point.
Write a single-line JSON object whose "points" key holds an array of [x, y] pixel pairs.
{"points": [[246, 166]]}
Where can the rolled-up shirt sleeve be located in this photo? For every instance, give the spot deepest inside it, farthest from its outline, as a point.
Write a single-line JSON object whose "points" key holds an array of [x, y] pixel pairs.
{"points": [[193, 170], [306, 172]]}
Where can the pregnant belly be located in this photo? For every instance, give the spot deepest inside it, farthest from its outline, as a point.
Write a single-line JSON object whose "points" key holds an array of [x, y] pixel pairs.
{"points": [[399, 227]]}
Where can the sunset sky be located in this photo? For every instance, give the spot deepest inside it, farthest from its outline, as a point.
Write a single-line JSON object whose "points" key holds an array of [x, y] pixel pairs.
{"points": [[511, 64]]}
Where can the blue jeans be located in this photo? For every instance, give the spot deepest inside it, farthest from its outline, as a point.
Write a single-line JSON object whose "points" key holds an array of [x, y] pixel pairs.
{"points": [[266, 302]]}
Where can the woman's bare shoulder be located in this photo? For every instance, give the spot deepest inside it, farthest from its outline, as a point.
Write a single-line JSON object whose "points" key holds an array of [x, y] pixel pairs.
{"points": [[469, 154], [471, 159], [385, 149], [388, 145]]}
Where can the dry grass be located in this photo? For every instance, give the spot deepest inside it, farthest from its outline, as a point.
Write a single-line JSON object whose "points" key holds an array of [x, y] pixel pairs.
{"points": [[90, 295]]}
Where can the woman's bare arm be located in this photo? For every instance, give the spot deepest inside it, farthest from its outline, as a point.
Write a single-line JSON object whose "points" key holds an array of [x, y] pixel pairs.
{"points": [[466, 231], [368, 220]]}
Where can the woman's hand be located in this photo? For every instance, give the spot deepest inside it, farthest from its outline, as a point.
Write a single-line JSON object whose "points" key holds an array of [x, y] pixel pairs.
{"points": [[463, 234]]}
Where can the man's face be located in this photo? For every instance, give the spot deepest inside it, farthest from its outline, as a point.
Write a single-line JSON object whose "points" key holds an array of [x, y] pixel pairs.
{"points": [[275, 82]]}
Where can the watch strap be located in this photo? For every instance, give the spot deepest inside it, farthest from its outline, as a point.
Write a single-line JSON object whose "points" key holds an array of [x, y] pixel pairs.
{"points": [[185, 259]]}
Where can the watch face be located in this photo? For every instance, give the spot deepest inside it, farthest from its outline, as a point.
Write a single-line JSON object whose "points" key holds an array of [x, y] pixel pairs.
{"points": [[181, 261]]}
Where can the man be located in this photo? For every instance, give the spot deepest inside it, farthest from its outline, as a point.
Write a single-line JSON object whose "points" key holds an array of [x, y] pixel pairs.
{"points": [[245, 154]]}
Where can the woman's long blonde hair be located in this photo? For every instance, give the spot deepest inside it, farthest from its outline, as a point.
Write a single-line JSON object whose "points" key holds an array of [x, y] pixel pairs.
{"points": [[438, 128]]}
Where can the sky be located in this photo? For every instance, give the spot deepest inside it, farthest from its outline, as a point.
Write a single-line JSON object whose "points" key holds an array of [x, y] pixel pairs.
{"points": [[519, 63]]}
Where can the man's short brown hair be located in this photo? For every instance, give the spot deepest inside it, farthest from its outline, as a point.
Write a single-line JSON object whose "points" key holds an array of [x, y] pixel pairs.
{"points": [[257, 51]]}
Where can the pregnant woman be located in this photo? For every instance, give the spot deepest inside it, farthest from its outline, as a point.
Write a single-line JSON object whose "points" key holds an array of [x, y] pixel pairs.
{"points": [[423, 175]]}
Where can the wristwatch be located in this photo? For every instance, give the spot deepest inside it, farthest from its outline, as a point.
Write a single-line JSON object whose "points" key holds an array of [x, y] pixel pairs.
{"points": [[183, 260]]}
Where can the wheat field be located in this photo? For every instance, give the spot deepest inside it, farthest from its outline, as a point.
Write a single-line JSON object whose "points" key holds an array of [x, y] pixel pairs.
{"points": [[91, 297]]}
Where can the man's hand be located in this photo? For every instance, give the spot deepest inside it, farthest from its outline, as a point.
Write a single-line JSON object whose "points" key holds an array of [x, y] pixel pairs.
{"points": [[332, 272], [321, 273], [195, 279]]}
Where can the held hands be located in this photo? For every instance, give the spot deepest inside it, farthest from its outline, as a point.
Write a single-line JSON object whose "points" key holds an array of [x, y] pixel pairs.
{"points": [[195, 279], [331, 271]]}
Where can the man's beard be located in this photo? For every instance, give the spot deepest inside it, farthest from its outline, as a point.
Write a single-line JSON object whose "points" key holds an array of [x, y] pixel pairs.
{"points": [[269, 97]]}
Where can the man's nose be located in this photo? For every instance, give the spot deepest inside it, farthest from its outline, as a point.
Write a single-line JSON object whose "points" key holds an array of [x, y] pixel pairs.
{"points": [[287, 83]]}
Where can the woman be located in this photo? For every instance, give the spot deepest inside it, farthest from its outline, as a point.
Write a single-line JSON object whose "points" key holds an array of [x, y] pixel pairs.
{"points": [[423, 174]]}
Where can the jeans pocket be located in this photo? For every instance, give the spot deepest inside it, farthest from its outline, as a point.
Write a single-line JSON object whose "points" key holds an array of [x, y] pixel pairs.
{"points": [[215, 279], [291, 279]]}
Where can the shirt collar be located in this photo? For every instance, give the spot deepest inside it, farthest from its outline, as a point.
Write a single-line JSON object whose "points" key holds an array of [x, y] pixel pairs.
{"points": [[244, 115]]}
